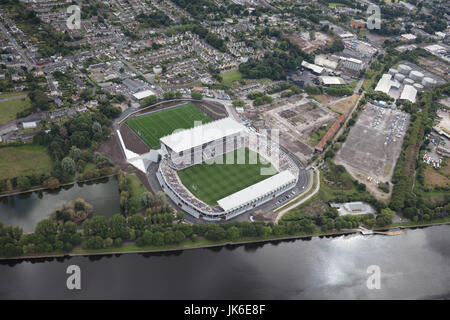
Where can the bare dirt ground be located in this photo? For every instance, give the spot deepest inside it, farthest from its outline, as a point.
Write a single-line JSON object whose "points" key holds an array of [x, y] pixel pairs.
{"points": [[132, 141], [444, 124], [112, 150], [296, 118], [435, 178], [365, 152], [343, 106]]}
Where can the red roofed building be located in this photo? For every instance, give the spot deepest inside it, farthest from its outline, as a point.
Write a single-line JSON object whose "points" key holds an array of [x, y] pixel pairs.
{"points": [[331, 132]]}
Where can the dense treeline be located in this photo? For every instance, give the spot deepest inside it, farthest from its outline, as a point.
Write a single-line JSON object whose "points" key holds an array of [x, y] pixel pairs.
{"points": [[403, 198], [153, 20], [69, 141], [274, 65]]}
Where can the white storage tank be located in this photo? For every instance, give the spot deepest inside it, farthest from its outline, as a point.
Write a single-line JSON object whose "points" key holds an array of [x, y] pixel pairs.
{"points": [[408, 81], [428, 82], [418, 87], [416, 75], [404, 69], [399, 77], [392, 71]]}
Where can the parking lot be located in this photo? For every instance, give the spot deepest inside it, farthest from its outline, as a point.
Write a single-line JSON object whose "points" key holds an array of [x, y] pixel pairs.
{"points": [[374, 144]]}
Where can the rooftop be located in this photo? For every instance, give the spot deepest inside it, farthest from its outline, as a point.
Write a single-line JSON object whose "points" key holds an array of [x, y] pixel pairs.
{"points": [[199, 135], [255, 191]]}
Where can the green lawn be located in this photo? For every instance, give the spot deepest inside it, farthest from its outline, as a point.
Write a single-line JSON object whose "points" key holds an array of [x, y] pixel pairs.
{"points": [[154, 126], [212, 182], [334, 5], [9, 109], [229, 77], [24, 160]]}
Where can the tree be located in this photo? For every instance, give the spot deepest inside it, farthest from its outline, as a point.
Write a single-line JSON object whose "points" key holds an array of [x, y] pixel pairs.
{"points": [[180, 216], [147, 238], [99, 226], [238, 103], [118, 242], [179, 236], [215, 233], [119, 227], [75, 152], [23, 183], [109, 242], [233, 233], [68, 165], [148, 101], [158, 239], [96, 127], [52, 183], [147, 199], [47, 229], [137, 221], [169, 237], [196, 95], [161, 197]]}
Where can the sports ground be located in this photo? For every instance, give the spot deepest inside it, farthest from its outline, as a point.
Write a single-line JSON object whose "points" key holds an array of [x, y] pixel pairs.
{"points": [[152, 127], [212, 182]]}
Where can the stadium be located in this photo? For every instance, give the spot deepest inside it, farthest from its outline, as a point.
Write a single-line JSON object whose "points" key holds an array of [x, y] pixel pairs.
{"points": [[213, 169]]}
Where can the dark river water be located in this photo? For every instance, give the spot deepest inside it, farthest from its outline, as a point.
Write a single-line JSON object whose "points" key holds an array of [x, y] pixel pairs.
{"points": [[413, 266], [26, 210]]}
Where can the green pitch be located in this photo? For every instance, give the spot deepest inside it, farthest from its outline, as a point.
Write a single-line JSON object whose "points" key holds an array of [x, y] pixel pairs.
{"points": [[212, 182], [152, 127]]}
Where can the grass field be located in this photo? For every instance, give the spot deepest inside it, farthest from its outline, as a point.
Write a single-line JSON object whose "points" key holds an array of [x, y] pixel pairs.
{"points": [[24, 160], [154, 126], [229, 77], [9, 108], [212, 182]]}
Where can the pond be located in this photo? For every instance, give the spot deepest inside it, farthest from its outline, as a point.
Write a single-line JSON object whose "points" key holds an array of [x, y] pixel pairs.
{"points": [[26, 210]]}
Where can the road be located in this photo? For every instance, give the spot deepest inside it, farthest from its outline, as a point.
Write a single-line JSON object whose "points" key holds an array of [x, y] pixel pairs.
{"points": [[282, 212]]}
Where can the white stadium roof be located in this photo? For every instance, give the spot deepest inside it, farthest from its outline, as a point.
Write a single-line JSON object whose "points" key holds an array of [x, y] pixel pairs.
{"points": [[255, 191], [197, 136], [143, 94], [409, 93]]}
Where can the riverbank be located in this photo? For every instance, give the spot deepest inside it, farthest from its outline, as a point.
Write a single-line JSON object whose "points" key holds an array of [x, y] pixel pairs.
{"points": [[204, 244], [43, 188]]}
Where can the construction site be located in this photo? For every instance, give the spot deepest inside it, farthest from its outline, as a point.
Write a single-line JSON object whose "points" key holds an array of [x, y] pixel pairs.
{"points": [[373, 146], [296, 118]]}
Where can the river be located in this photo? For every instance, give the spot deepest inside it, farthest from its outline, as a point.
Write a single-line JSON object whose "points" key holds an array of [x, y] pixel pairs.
{"points": [[413, 266], [26, 210]]}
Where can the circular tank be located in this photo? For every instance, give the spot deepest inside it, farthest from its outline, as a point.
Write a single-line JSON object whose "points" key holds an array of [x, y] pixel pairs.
{"points": [[416, 75], [392, 71], [428, 82], [399, 77], [408, 81], [418, 86], [404, 69]]}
